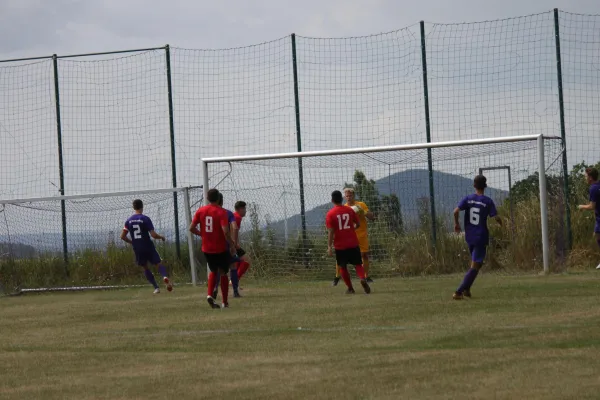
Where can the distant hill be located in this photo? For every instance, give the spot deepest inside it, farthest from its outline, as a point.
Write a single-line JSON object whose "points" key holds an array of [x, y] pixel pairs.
{"points": [[411, 187]]}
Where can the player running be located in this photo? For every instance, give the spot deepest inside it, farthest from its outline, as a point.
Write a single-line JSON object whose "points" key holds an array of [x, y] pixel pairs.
{"points": [[477, 207], [217, 245], [140, 228], [342, 223], [591, 176], [361, 232], [244, 260]]}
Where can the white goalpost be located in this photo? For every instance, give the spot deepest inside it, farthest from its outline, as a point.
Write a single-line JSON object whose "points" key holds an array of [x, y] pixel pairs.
{"points": [[398, 170], [33, 234]]}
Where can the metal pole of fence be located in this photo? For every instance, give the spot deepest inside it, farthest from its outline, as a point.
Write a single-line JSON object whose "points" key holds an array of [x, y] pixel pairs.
{"points": [[563, 133], [173, 160], [61, 173], [428, 132]]}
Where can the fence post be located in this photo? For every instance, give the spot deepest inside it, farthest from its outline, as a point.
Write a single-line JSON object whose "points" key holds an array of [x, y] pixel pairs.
{"points": [[428, 132], [563, 134], [173, 161], [299, 143], [61, 173]]}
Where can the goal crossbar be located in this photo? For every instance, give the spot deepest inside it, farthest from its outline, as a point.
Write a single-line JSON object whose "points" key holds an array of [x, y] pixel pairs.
{"points": [[432, 145]]}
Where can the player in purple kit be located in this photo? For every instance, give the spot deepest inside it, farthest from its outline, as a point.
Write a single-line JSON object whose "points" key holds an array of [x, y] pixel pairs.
{"points": [[477, 207], [141, 229], [591, 176], [233, 273]]}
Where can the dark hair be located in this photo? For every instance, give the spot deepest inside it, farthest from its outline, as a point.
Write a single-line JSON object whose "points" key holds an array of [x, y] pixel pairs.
{"points": [[220, 202], [480, 182], [336, 197], [239, 204], [213, 195], [592, 173], [138, 204]]}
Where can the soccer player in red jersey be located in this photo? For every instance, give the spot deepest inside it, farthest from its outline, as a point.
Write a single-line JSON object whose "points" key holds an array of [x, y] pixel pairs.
{"points": [[244, 263], [341, 222], [217, 245]]}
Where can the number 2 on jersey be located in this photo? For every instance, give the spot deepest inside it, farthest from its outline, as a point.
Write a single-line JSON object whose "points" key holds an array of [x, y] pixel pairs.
{"points": [[137, 232], [344, 221], [474, 216], [208, 224]]}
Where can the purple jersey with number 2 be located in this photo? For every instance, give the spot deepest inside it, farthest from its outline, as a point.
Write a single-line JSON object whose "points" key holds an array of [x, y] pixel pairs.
{"points": [[139, 227], [477, 210]]}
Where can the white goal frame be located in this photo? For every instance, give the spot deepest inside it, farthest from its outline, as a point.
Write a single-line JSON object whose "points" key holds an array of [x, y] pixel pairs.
{"points": [[539, 139], [186, 205]]}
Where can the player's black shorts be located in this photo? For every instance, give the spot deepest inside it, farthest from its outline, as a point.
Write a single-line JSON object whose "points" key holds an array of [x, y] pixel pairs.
{"points": [[218, 262], [348, 256]]}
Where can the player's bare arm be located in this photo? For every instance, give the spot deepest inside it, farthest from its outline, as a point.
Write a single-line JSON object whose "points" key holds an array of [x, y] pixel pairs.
{"points": [[456, 222], [227, 233], [330, 241], [235, 231], [498, 220], [124, 237], [591, 206], [370, 216], [194, 229], [156, 236]]}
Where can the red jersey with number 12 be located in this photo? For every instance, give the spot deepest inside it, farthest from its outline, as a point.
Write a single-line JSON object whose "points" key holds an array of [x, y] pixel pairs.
{"points": [[342, 220], [212, 219]]}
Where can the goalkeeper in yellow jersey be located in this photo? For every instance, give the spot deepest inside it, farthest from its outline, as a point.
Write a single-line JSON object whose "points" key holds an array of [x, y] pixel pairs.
{"points": [[363, 213]]}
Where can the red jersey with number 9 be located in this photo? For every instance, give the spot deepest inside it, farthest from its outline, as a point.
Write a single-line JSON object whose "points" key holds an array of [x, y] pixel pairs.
{"points": [[342, 220], [212, 219]]}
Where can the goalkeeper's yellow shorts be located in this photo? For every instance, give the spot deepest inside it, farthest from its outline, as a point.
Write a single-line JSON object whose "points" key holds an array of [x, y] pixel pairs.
{"points": [[363, 243]]}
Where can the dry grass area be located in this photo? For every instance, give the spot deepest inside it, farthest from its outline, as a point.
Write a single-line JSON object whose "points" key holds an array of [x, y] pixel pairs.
{"points": [[519, 337]]}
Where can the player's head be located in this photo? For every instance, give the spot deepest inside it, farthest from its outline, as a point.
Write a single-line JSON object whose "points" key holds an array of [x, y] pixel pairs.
{"points": [[240, 208], [349, 194], [591, 175], [336, 197], [480, 182], [138, 205], [213, 196], [220, 201]]}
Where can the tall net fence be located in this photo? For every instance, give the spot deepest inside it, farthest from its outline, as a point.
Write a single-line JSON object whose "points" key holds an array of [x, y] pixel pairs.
{"points": [[28, 145], [32, 240], [233, 101], [115, 123], [394, 185], [361, 91]]}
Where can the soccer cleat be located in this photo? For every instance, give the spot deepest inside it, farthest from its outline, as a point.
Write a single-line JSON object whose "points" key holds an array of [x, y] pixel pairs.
{"points": [[168, 283], [350, 291], [457, 296], [156, 291], [369, 280], [225, 305], [336, 280], [467, 293], [211, 302], [236, 294], [215, 293], [365, 285]]}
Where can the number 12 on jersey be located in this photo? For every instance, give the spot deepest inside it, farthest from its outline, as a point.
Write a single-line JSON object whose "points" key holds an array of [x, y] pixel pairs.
{"points": [[344, 221]]}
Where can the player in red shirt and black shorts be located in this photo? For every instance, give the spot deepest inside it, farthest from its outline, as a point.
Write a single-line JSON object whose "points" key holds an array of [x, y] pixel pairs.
{"points": [[217, 245], [341, 222]]}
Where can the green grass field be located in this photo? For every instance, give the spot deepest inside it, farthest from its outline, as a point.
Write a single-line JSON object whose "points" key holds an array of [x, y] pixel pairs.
{"points": [[528, 337]]}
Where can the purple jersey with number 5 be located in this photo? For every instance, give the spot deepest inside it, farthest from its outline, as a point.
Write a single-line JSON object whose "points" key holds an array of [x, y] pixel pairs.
{"points": [[139, 227], [477, 210]]}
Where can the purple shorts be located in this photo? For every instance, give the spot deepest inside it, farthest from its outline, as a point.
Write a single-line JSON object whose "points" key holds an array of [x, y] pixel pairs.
{"points": [[477, 253], [143, 257]]}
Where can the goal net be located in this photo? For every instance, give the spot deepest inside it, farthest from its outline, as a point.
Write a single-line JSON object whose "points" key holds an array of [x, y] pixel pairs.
{"points": [[74, 241], [289, 194]]}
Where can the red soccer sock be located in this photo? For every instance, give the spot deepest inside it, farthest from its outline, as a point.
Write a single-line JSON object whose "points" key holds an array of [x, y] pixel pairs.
{"points": [[212, 283], [346, 277], [225, 287], [242, 268], [360, 271]]}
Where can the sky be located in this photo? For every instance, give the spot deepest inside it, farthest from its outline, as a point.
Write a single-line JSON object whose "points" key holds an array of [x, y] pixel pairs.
{"points": [[37, 27]]}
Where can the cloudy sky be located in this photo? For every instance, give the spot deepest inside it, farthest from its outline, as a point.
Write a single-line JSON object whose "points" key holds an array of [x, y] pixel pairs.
{"points": [[39, 27]]}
